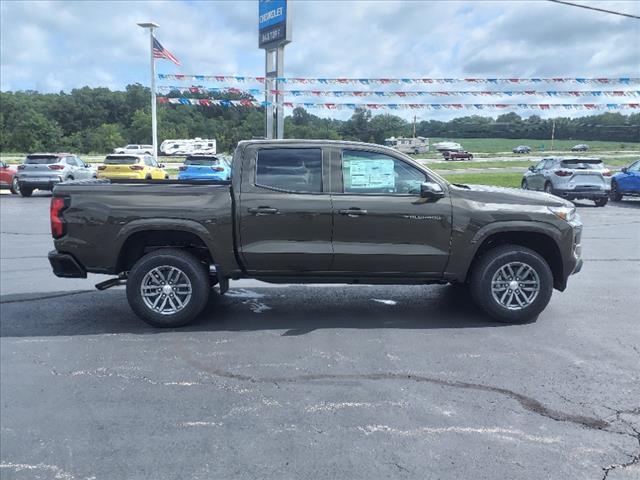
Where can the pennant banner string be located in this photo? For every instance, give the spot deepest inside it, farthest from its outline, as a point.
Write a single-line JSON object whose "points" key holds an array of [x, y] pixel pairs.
{"points": [[401, 106], [372, 93], [389, 81]]}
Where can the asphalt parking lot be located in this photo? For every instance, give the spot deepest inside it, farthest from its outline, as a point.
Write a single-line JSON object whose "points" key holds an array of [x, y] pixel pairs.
{"points": [[319, 382]]}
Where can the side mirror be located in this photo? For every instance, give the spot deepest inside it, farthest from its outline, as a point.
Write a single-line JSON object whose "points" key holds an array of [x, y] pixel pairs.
{"points": [[532, 168], [625, 170], [431, 190], [161, 165]]}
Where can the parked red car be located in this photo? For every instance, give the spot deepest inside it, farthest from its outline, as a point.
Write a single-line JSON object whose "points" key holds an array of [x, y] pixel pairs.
{"points": [[8, 178], [457, 155]]}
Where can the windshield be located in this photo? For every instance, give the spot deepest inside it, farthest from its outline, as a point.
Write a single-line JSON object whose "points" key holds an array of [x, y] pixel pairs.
{"points": [[583, 164], [41, 159], [202, 161], [119, 160]]}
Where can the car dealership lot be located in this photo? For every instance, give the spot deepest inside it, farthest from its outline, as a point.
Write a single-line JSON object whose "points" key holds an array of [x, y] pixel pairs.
{"points": [[319, 382]]}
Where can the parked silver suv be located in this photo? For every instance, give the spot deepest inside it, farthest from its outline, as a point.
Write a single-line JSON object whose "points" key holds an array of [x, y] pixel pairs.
{"points": [[44, 170], [571, 178]]}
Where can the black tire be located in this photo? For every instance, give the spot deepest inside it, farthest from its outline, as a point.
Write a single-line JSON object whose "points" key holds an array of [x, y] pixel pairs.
{"points": [[487, 266], [148, 177], [26, 191], [525, 184], [615, 194], [601, 202], [190, 266], [15, 186], [548, 188]]}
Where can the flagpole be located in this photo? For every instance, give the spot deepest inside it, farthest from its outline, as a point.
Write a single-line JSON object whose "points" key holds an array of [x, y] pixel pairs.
{"points": [[154, 118]]}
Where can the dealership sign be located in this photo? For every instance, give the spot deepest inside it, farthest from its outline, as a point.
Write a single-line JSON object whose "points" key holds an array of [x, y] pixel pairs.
{"points": [[273, 26]]}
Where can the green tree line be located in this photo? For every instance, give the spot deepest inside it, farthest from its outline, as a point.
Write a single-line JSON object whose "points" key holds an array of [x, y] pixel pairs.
{"points": [[99, 119]]}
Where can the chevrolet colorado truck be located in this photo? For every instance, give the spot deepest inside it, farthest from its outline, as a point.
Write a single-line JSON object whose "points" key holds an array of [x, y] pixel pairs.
{"points": [[314, 211]]}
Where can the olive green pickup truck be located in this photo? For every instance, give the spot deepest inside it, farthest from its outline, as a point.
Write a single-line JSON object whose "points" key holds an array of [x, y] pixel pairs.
{"points": [[313, 211]]}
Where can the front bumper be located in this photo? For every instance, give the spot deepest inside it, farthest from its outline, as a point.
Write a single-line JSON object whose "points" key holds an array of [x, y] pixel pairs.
{"points": [[64, 265]]}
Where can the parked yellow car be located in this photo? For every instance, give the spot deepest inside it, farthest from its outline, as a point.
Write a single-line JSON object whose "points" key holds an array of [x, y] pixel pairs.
{"points": [[131, 167]]}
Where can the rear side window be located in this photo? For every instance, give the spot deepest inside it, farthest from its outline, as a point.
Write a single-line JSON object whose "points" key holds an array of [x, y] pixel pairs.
{"points": [[290, 169], [583, 164], [41, 159], [112, 160]]}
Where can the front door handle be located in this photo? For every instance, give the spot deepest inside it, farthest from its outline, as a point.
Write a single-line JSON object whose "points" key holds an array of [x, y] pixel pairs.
{"points": [[352, 212], [263, 211]]}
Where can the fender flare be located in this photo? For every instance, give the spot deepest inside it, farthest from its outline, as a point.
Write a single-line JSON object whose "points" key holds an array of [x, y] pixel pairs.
{"points": [[164, 224]]}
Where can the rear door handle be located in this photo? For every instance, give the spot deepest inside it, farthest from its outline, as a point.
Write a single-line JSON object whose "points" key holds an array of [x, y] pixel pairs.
{"points": [[263, 211], [352, 212]]}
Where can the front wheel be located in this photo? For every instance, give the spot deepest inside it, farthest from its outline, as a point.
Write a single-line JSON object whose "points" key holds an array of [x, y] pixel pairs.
{"points": [[168, 287], [512, 283], [615, 194], [525, 185], [601, 202]]}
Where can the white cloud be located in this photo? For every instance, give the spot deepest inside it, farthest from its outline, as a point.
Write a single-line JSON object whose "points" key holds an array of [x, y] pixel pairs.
{"points": [[63, 45]]}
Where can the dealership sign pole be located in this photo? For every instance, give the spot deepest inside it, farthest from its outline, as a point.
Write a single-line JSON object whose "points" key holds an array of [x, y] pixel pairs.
{"points": [[274, 32], [154, 117]]}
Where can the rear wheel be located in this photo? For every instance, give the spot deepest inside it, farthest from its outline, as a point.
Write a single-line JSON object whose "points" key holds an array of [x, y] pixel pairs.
{"points": [[615, 194], [512, 283], [15, 186], [601, 202], [168, 287], [25, 191]]}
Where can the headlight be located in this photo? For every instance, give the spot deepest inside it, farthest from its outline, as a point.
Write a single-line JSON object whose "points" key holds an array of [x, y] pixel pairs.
{"points": [[565, 213]]}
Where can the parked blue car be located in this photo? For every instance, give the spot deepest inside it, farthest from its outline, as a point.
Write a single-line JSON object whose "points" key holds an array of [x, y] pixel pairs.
{"points": [[204, 167], [626, 182]]}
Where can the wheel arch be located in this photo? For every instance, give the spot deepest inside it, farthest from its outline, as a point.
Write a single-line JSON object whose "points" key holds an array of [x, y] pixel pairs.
{"points": [[540, 240], [137, 240]]}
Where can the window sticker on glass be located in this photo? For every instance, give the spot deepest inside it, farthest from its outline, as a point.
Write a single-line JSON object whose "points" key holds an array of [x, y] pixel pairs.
{"points": [[368, 173]]}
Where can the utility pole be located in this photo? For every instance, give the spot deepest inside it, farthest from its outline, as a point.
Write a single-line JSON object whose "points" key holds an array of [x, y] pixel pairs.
{"points": [[154, 117], [553, 132], [414, 126]]}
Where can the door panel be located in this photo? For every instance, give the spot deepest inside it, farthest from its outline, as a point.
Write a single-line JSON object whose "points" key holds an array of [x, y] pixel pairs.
{"points": [[388, 227], [285, 215]]}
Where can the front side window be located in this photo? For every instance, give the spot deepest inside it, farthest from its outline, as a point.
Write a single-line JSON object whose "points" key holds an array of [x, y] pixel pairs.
{"points": [[370, 172], [290, 169]]}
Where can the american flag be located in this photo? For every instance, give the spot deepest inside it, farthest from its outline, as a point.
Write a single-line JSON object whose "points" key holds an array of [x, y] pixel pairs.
{"points": [[160, 52]]}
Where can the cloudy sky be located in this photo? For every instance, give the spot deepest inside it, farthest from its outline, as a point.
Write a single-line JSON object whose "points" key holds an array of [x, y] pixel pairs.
{"points": [[52, 46]]}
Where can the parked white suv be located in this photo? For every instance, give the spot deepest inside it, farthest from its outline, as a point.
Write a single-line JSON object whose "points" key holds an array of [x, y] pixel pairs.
{"points": [[135, 149]]}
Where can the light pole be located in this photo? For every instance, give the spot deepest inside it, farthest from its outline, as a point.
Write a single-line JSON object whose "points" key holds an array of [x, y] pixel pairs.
{"points": [[154, 119]]}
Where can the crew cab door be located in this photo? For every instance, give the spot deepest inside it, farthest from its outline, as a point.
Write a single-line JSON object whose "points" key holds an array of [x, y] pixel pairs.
{"points": [[381, 224], [284, 211]]}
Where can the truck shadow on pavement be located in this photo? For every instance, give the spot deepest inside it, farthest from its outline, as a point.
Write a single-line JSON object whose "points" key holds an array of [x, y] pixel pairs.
{"points": [[296, 310]]}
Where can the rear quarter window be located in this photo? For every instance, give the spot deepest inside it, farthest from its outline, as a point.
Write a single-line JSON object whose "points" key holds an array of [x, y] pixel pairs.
{"points": [[290, 169]]}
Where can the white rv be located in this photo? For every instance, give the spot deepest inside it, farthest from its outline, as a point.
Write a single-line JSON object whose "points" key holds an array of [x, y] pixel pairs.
{"points": [[408, 145], [447, 146], [188, 147]]}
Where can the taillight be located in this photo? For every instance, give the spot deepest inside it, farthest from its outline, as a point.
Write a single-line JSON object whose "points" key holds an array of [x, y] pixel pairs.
{"points": [[217, 169], [58, 225], [606, 173], [102, 167], [21, 167], [136, 167], [182, 168], [56, 167], [563, 173]]}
